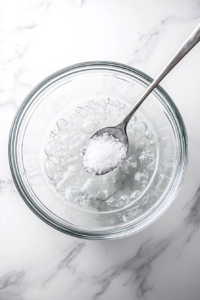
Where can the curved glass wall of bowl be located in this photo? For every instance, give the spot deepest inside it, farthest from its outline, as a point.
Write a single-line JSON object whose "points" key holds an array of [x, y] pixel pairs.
{"points": [[45, 179]]}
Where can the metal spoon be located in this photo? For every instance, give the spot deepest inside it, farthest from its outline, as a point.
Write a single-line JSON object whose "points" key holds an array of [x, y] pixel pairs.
{"points": [[119, 131]]}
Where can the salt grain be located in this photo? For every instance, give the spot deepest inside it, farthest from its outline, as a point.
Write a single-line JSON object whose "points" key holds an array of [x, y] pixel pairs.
{"points": [[103, 153]]}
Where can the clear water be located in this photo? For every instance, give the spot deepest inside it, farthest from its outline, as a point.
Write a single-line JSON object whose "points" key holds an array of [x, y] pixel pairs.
{"points": [[63, 163]]}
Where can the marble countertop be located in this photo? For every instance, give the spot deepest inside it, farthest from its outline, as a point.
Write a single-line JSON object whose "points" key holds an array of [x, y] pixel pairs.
{"points": [[38, 37]]}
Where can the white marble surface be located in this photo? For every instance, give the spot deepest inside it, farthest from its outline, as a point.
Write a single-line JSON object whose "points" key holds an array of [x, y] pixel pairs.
{"points": [[38, 37]]}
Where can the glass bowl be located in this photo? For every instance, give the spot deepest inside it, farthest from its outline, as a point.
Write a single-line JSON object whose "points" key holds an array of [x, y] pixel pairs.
{"points": [[57, 94]]}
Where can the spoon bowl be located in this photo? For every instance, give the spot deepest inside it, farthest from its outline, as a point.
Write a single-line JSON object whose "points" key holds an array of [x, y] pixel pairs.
{"points": [[118, 132]]}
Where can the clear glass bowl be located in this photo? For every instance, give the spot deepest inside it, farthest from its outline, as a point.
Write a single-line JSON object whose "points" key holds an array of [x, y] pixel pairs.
{"points": [[89, 81]]}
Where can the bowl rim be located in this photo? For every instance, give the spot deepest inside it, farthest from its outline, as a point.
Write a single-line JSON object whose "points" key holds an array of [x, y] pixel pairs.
{"points": [[95, 234]]}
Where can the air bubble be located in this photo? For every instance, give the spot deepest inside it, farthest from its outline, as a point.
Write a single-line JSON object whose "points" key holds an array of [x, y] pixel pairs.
{"points": [[59, 154], [78, 109], [146, 157], [56, 137], [93, 105], [101, 111], [141, 126], [139, 176], [112, 202], [77, 121], [55, 160], [117, 103], [111, 102], [103, 103], [123, 200], [62, 123], [83, 112], [148, 134], [115, 189], [107, 101], [88, 126], [96, 122], [129, 165], [50, 148], [135, 194]]}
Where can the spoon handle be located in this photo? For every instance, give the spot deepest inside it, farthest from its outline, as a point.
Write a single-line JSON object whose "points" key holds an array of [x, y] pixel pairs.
{"points": [[191, 41]]}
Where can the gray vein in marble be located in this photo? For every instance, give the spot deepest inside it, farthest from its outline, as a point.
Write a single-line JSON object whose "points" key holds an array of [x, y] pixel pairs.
{"points": [[11, 278], [44, 4], [76, 249], [78, 3], [7, 185], [2, 185], [11, 285], [139, 266], [73, 250], [148, 42], [193, 218]]}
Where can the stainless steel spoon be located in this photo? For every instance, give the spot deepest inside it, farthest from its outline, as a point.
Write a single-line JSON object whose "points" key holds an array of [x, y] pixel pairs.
{"points": [[119, 131]]}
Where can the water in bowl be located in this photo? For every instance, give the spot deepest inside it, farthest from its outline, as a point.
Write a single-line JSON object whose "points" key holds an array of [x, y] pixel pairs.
{"points": [[62, 156]]}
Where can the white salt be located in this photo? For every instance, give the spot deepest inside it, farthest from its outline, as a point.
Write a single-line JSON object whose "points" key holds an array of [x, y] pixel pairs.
{"points": [[103, 153]]}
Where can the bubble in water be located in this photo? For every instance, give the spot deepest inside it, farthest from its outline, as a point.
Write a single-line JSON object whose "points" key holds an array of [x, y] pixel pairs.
{"points": [[94, 105], [56, 137], [55, 160], [111, 102], [148, 134], [76, 121], [88, 126], [103, 103], [50, 148], [107, 100], [112, 202], [133, 119], [95, 122], [117, 103], [103, 195], [122, 105], [78, 110], [83, 112], [132, 161], [101, 116], [130, 164], [141, 126], [135, 194], [151, 166], [146, 157], [123, 200], [62, 123], [101, 111], [139, 176], [59, 154], [113, 190]]}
